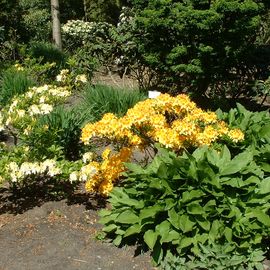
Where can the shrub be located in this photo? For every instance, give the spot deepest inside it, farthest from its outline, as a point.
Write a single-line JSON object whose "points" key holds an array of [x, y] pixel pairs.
{"points": [[13, 82], [174, 122], [199, 45], [22, 114], [47, 52], [60, 129], [181, 204]]}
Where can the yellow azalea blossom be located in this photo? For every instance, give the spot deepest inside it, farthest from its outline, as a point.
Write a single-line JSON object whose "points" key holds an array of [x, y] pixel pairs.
{"points": [[174, 122], [236, 135]]}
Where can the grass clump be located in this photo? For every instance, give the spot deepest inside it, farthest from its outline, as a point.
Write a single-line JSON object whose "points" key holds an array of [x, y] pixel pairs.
{"points": [[101, 99], [13, 82]]}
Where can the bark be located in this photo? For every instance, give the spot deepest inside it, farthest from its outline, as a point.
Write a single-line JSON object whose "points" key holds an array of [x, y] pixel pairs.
{"points": [[56, 26]]}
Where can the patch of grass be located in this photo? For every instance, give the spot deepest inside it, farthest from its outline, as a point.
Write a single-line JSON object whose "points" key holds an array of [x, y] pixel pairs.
{"points": [[101, 99], [13, 82]]}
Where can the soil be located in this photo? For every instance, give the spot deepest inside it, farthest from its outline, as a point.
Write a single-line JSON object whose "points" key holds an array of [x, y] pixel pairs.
{"points": [[40, 232]]}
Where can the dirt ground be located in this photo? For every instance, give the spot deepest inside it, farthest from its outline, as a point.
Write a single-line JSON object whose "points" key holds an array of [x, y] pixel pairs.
{"points": [[40, 233]]}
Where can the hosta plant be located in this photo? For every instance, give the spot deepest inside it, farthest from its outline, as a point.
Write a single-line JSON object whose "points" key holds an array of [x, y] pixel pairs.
{"points": [[178, 204]]}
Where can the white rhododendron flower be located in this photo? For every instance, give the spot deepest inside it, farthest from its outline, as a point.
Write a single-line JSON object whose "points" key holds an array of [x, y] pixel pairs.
{"points": [[88, 156], [81, 78]]}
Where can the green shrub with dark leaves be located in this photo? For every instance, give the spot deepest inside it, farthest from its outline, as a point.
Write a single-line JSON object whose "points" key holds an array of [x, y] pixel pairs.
{"points": [[179, 204], [205, 46]]}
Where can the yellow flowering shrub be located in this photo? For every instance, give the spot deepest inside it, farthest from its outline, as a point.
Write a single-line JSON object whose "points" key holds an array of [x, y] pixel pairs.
{"points": [[100, 176], [173, 122]]}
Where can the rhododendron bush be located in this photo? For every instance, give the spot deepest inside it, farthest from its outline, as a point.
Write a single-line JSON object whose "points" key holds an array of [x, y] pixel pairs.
{"points": [[25, 161], [173, 122]]}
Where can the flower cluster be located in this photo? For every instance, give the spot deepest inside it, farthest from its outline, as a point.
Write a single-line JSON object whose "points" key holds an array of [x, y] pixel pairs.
{"points": [[19, 67], [67, 78], [86, 31], [29, 169], [174, 122], [24, 109], [100, 176]]}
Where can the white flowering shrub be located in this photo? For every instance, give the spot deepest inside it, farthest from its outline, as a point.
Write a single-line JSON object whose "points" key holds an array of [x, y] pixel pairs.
{"points": [[21, 115], [71, 79], [77, 31], [19, 167], [28, 160]]}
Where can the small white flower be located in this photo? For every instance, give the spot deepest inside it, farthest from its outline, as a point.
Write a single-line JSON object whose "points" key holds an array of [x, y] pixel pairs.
{"points": [[81, 78], [34, 109], [21, 113], [73, 177], [59, 78], [45, 108], [88, 156]]}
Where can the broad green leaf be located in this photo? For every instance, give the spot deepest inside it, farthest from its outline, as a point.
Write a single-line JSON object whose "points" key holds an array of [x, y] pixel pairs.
{"points": [[163, 228], [170, 202], [225, 156], [186, 242], [264, 187], [205, 224], [134, 229], [133, 167], [191, 195], [201, 238], [213, 157], [120, 231], [192, 170], [150, 238], [210, 206], [108, 218], [265, 167], [174, 218], [237, 164], [170, 237], [185, 224], [215, 230], [110, 228], [235, 182], [252, 180], [261, 216], [162, 171], [265, 131], [150, 211], [104, 212], [117, 241], [195, 209], [199, 153], [228, 234], [132, 202], [127, 217]]}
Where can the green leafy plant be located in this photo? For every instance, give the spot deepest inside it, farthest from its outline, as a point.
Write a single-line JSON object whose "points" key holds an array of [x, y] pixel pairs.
{"points": [[101, 99], [48, 52], [215, 258], [58, 131], [202, 46], [256, 127], [13, 82], [177, 204]]}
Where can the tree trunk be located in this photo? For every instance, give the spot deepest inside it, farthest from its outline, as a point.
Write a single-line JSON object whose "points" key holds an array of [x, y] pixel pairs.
{"points": [[56, 26]]}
